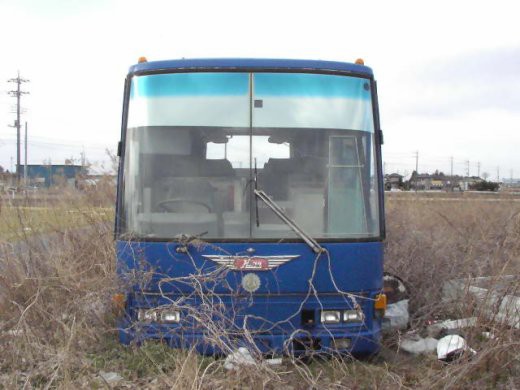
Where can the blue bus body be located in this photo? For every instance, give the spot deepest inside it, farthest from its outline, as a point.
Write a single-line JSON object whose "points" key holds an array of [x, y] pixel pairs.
{"points": [[203, 262]]}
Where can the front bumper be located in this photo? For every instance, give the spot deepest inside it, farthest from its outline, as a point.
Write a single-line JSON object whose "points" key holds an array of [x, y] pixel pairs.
{"points": [[269, 325]]}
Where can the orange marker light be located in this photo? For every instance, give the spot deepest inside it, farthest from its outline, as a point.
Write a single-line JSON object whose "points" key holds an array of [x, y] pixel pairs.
{"points": [[380, 302], [119, 302], [141, 60], [360, 61]]}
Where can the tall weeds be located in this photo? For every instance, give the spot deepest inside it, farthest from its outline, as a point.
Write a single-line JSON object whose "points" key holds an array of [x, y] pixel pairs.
{"points": [[57, 328]]}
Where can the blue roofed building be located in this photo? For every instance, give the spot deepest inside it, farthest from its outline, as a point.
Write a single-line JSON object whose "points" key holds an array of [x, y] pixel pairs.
{"points": [[51, 175]]}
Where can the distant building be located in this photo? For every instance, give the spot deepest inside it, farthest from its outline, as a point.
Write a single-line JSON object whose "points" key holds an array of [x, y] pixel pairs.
{"points": [[393, 181], [51, 175], [439, 181], [428, 182], [470, 181]]}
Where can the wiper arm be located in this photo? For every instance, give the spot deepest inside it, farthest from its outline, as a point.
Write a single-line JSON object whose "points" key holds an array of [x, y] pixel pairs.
{"points": [[256, 198], [317, 248]]}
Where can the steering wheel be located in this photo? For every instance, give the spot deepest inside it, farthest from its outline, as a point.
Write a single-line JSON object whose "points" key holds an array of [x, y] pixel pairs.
{"points": [[163, 205]]}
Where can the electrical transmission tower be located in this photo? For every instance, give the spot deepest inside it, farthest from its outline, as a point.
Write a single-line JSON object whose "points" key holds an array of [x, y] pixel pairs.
{"points": [[17, 94]]}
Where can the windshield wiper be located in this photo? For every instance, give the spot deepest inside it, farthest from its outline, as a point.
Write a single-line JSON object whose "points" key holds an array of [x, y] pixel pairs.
{"points": [[317, 248], [256, 198]]}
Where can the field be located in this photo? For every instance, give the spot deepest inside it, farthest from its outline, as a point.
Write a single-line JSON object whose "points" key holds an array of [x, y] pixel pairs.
{"points": [[57, 279]]}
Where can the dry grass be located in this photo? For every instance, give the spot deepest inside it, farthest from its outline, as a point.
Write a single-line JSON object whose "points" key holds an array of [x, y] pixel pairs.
{"points": [[56, 324]]}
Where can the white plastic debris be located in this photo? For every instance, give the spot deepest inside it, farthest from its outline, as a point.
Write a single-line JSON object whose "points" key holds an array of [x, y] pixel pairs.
{"points": [[15, 332], [497, 297], [242, 357], [437, 327], [396, 315], [110, 377], [450, 347], [418, 345], [488, 335], [273, 361]]}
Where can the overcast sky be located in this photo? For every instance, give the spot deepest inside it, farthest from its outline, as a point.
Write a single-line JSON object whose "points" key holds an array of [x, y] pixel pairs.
{"points": [[448, 71]]}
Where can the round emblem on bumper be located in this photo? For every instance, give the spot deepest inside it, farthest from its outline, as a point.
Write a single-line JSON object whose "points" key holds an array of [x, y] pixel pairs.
{"points": [[251, 282]]}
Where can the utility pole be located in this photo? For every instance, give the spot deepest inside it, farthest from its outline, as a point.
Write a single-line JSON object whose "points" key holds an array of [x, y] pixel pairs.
{"points": [[467, 168], [416, 168], [498, 174], [25, 160], [17, 94], [451, 170], [83, 159], [478, 169]]}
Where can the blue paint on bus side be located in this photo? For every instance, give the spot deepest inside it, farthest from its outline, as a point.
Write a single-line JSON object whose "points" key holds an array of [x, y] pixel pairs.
{"points": [[277, 304], [356, 266]]}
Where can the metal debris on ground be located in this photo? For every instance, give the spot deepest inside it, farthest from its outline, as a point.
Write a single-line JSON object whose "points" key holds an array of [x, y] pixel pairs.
{"points": [[496, 297], [437, 328]]}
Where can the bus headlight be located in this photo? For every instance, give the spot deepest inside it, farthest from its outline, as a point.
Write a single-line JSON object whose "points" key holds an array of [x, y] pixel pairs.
{"points": [[146, 315], [330, 316], [170, 316], [353, 316]]}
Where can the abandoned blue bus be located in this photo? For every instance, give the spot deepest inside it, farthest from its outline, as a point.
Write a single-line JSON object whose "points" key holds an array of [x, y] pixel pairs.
{"points": [[250, 206]]}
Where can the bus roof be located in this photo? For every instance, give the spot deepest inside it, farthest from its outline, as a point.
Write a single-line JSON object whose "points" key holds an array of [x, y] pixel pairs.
{"points": [[249, 64]]}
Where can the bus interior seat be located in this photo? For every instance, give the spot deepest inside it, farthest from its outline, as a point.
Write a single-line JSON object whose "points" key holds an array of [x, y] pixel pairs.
{"points": [[281, 174], [216, 168], [275, 176]]}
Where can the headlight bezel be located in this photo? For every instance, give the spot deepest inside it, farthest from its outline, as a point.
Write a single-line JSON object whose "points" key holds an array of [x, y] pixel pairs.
{"points": [[147, 315], [332, 313], [351, 316], [175, 316], [164, 316]]}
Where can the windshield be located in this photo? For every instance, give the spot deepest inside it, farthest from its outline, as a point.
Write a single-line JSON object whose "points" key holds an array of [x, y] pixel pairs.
{"points": [[198, 144]]}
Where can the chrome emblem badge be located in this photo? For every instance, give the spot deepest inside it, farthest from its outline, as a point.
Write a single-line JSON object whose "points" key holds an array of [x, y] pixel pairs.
{"points": [[251, 263], [251, 282]]}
